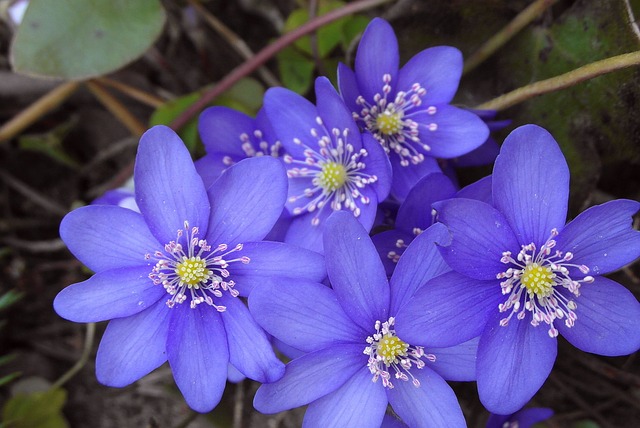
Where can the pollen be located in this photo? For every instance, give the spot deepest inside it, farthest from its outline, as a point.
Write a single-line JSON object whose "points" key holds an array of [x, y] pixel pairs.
{"points": [[389, 123], [333, 176], [538, 280], [390, 347], [192, 271]]}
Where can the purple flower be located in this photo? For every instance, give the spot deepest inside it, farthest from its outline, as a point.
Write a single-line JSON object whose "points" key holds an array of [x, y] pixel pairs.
{"points": [[330, 165], [168, 277], [524, 418], [407, 109], [521, 277], [354, 362]]}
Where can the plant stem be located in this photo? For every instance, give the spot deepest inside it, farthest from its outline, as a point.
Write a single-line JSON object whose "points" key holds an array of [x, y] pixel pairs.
{"points": [[135, 93], [566, 80], [36, 110], [86, 350], [116, 108], [269, 51], [503, 36]]}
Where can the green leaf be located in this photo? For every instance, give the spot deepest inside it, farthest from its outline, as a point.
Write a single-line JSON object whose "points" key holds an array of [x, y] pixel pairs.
{"points": [[296, 70], [9, 298], [50, 143], [245, 96], [8, 378], [36, 410], [585, 424], [78, 39]]}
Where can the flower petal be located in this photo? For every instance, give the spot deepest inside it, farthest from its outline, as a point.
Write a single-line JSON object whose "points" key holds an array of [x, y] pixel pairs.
{"points": [[480, 190], [310, 377], [211, 165], [432, 404], [602, 238], [388, 249], [456, 363], [437, 69], [255, 182], [420, 262], [448, 310], [355, 270], [608, 318], [513, 363], [378, 164], [292, 117], [479, 236], [134, 346], [169, 191], [304, 315], [276, 259], [249, 348], [416, 209], [377, 55], [220, 129], [107, 237], [359, 402], [334, 112], [485, 154], [114, 293], [305, 235], [458, 131], [531, 184], [348, 87], [198, 355], [406, 177]]}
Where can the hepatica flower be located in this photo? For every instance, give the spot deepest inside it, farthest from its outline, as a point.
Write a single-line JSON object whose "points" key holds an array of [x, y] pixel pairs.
{"points": [[330, 165], [522, 277], [524, 418], [169, 277], [355, 364], [407, 109]]}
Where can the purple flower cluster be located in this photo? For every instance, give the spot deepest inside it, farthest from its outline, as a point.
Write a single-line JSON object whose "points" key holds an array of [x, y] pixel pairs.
{"points": [[266, 241]]}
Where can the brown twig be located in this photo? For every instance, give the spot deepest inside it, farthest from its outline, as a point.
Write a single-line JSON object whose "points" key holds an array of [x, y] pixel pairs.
{"points": [[34, 196], [503, 36], [132, 92], [116, 108], [35, 111]]}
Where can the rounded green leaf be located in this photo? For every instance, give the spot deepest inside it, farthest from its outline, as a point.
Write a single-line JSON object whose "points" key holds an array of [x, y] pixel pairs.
{"points": [[79, 39]]}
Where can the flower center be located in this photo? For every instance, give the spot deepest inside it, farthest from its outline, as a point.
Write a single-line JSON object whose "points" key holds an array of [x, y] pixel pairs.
{"points": [[390, 121], [386, 350], [532, 282], [333, 176], [198, 273], [192, 271]]}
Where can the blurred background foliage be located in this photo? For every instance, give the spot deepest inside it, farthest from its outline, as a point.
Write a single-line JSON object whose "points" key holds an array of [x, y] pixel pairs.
{"points": [[116, 67]]}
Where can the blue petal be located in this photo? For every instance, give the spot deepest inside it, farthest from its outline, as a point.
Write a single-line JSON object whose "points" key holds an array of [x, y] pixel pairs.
{"points": [[355, 270], [305, 235], [608, 319], [458, 131], [377, 55], [526, 418], [479, 236], [602, 237], [432, 404], [359, 402], [531, 184], [334, 113], [132, 347], [255, 182], [304, 315], [437, 70], [448, 310], [513, 363], [233, 375], [292, 117], [378, 164], [249, 348], [420, 262], [387, 246], [485, 154], [169, 191], [220, 129], [310, 377], [480, 190], [114, 293], [405, 177], [198, 355], [390, 421], [276, 259], [210, 166], [416, 209], [107, 237], [456, 363], [348, 87]]}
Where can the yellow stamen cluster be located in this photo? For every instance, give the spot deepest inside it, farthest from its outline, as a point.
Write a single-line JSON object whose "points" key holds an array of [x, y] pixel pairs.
{"points": [[389, 123], [333, 176], [538, 280], [192, 271]]}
